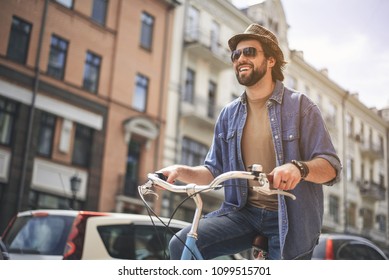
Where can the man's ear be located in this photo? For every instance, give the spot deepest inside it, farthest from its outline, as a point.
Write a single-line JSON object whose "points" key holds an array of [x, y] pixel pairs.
{"points": [[271, 61]]}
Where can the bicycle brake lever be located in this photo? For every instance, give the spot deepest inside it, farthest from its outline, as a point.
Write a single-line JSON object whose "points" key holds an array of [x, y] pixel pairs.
{"points": [[146, 189], [264, 187], [268, 191]]}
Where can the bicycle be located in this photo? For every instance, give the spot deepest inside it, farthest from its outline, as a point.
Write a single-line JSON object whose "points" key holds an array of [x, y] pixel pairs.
{"points": [[193, 190]]}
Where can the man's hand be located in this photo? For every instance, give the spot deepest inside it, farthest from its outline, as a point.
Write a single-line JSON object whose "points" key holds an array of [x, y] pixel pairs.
{"points": [[286, 177]]}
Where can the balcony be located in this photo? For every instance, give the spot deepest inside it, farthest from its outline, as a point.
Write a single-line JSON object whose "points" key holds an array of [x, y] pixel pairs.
{"points": [[371, 150], [371, 190], [204, 46], [200, 111]]}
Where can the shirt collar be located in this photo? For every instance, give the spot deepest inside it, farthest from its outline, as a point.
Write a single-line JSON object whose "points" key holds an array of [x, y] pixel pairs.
{"points": [[277, 94]]}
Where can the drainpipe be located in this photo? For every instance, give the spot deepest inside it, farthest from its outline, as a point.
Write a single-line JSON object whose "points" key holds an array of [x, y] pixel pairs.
{"points": [[344, 136], [32, 108], [161, 88]]}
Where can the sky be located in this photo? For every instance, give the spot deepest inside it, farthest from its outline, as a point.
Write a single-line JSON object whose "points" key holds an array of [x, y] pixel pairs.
{"points": [[350, 38]]}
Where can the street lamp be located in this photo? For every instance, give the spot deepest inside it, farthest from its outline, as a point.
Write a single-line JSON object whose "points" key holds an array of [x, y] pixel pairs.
{"points": [[75, 184]]}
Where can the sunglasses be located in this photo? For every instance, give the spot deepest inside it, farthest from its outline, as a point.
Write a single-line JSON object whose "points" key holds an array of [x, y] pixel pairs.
{"points": [[249, 52]]}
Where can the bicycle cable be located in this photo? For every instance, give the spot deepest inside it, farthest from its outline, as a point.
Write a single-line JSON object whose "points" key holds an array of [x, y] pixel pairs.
{"points": [[149, 209]]}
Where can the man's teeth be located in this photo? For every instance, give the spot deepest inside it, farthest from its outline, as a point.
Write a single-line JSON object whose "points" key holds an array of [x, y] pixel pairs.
{"points": [[243, 69]]}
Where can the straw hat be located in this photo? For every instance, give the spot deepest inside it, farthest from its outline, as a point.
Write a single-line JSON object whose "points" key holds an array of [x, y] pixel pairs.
{"points": [[258, 32]]}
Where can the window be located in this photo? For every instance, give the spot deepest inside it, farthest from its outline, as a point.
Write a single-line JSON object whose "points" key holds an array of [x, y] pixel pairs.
{"points": [[332, 113], [19, 40], [66, 3], [193, 21], [57, 58], [137, 241], [82, 145], [367, 218], [7, 119], [189, 85], [215, 33], [351, 214], [381, 220], [46, 134], [140, 95], [132, 172], [211, 99], [349, 125], [146, 34], [350, 169], [91, 72], [358, 251], [99, 11], [334, 208], [193, 152]]}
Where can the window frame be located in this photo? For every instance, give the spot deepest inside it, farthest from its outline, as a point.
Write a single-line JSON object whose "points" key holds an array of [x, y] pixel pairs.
{"points": [[82, 145], [57, 48], [7, 120], [22, 59], [90, 63], [193, 153], [190, 85], [142, 85], [147, 31], [98, 15], [48, 125]]}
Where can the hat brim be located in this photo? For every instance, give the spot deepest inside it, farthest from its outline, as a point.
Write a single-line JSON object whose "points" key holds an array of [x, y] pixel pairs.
{"points": [[233, 42]]}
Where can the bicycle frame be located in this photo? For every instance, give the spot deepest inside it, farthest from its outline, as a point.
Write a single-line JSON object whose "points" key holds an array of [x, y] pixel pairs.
{"points": [[193, 190]]}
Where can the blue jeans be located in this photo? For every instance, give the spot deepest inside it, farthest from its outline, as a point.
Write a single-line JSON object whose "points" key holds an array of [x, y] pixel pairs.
{"points": [[232, 233]]}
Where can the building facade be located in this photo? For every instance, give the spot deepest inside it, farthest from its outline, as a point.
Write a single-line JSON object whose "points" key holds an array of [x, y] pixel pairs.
{"points": [[83, 96], [105, 91]]}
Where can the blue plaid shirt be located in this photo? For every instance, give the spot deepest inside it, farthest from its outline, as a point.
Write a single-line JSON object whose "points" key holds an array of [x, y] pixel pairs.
{"points": [[299, 133]]}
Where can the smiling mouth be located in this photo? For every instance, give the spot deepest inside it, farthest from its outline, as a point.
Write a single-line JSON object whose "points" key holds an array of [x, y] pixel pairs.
{"points": [[243, 69]]}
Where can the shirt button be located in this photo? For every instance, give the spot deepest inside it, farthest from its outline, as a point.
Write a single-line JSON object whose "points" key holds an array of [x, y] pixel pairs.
{"points": [[272, 119], [276, 136], [291, 136]]}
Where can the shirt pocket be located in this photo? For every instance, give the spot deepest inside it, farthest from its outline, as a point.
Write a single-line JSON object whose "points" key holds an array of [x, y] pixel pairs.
{"points": [[226, 137], [291, 134], [228, 147], [290, 143]]}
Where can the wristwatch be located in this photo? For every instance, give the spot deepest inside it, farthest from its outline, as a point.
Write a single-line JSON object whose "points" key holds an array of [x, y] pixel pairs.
{"points": [[303, 168]]}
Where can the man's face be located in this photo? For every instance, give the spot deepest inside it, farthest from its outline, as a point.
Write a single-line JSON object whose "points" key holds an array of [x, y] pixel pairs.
{"points": [[250, 69]]}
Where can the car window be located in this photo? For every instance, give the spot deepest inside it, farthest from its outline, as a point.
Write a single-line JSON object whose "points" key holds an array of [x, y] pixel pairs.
{"points": [[140, 242], [358, 251], [43, 235]]}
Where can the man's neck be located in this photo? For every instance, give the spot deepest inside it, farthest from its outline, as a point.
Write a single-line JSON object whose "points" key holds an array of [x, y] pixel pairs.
{"points": [[260, 90]]}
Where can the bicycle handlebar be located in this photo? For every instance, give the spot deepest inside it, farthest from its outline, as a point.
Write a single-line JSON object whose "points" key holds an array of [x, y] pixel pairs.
{"points": [[263, 179]]}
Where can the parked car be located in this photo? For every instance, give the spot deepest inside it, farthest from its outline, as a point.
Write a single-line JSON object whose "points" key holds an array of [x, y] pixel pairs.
{"points": [[334, 246], [75, 235]]}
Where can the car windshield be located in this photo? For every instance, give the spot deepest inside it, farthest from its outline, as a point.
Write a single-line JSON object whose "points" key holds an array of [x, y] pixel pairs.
{"points": [[38, 235]]}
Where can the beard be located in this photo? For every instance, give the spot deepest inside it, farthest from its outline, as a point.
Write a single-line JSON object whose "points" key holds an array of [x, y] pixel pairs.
{"points": [[251, 79]]}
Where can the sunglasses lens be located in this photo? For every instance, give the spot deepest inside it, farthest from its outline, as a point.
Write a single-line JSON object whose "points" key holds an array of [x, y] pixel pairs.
{"points": [[235, 55], [247, 52]]}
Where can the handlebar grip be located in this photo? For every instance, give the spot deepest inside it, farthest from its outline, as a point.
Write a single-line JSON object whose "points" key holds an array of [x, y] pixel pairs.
{"points": [[161, 176]]}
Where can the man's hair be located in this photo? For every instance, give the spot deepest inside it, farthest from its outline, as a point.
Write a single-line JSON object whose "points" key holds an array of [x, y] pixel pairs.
{"points": [[279, 65]]}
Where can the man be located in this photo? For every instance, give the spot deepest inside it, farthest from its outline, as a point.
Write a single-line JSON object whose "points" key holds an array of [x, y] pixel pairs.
{"points": [[283, 131]]}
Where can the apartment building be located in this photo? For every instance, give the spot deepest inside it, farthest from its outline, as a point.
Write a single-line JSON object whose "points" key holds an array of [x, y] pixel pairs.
{"points": [[82, 101], [202, 81]]}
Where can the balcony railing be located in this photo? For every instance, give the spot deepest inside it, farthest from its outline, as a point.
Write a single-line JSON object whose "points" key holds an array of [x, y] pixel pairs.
{"points": [[201, 109], [371, 150], [371, 190], [210, 49]]}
